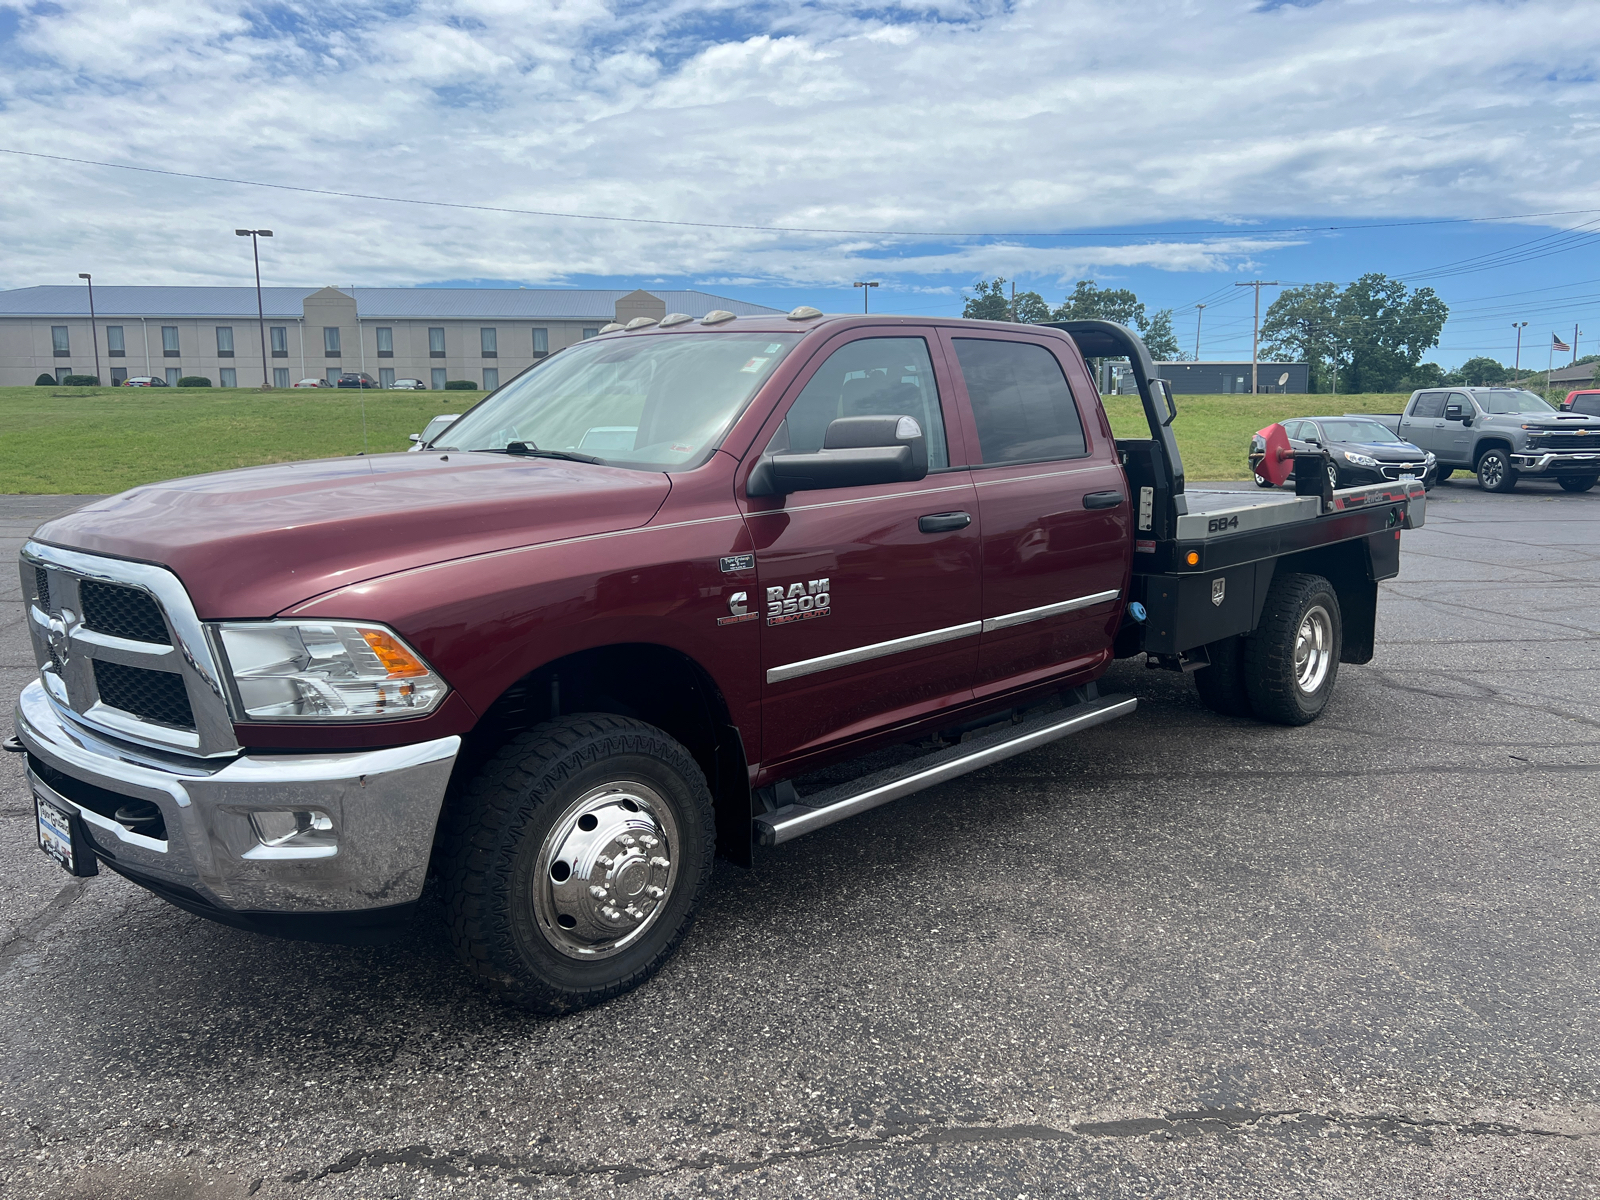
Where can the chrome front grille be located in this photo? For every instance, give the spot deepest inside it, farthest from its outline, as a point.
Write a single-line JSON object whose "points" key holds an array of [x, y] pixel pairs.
{"points": [[121, 650]]}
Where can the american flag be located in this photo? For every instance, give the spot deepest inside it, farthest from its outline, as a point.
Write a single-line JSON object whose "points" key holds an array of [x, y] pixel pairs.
{"points": [[1557, 344]]}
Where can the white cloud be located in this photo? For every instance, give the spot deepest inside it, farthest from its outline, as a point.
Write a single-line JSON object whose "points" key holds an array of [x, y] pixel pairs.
{"points": [[956, 117]]}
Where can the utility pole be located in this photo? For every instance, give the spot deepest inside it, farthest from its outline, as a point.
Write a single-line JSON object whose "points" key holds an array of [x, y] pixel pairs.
{"points": [[1199, 312], [872, 283], [95, 333], [1575, 332], [261, 313], [1255, 338], [1014, 306], [1516, 370]]}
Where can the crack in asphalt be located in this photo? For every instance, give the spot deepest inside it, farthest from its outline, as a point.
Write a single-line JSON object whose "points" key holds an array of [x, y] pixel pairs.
{"points": [[1479, 691], [24, 937], [458, 1164]]}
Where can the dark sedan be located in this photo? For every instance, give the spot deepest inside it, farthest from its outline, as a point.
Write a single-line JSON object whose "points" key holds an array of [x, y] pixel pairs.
{"points": [[357, 379], [1359, 451]]}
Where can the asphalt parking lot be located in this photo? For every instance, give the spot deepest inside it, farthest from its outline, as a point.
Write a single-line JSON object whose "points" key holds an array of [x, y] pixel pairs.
{"points": [[1180, 955]]}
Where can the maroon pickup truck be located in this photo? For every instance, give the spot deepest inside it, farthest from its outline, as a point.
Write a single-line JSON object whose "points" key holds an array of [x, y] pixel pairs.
{"points": [[618, 617]]}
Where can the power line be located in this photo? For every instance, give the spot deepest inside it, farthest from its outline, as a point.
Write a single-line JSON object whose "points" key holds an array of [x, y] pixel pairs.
{"points": [[917, 233]]}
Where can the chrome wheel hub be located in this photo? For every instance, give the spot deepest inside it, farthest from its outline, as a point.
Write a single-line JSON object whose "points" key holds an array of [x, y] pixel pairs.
{"points": [[1313, 649], [1492, 471], [605, 870]]}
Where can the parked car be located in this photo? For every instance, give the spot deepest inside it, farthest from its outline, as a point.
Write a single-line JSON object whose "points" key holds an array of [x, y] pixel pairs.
{"points": [[1586, 402], [434, 428], [313, 383], [357, 379], [409, 385], [568, 679], [1360, 451], [144, 381], [1502, 434]]}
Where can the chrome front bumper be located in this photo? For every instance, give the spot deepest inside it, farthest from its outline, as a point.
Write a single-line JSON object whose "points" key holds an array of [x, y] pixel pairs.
{"points": [[383, 806], [1557, 460]]}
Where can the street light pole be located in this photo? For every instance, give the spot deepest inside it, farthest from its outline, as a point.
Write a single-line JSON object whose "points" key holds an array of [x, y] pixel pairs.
{"points": [[1516, 369], [1255, 337], [94, 333], [261, 312], [872, 283], [1199, 311]]}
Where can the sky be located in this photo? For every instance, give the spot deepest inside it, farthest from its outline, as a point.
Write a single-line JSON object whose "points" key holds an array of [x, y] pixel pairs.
{"points": [[780, 150]]}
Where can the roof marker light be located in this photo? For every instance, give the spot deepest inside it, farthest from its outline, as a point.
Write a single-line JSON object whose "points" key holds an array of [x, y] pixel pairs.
{"points": [[611, 328], [805, 313], [716, 316], [671, 319], [640, 322]]}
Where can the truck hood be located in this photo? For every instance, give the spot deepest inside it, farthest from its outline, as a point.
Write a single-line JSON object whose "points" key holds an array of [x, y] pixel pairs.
{"points": [[252, 542]]}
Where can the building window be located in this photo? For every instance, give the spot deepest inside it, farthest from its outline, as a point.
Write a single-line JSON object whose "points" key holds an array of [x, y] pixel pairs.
{"points": [[114, 342], [491, 343], [229, 376], [330, 341], [438, 376], [491, 378], [173, 375], [280, 341], [333, 374], [541, 342], [119, 376], [385, 342], [224, 341], [589, 333], [436, 343], [169, 341], [62, 373], [59, 342], [280, 376], [386, 377]]}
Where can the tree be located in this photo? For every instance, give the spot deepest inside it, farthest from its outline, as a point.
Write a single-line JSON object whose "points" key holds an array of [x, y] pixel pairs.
{"points": [[1302, 326], [990, 304], [1030, 308], [1091, 302], [1383, 330], [1482, 372], [1159, 338]]}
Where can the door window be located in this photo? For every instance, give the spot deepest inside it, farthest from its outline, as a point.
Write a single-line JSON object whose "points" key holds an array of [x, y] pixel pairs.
{"points": [[386, 377], [119, 376], [280, 376], [1462, 399], [173, 375], [1021, 403], [438, 379], [332, 375], [1429, 405], [873, 377], [229, 376]]}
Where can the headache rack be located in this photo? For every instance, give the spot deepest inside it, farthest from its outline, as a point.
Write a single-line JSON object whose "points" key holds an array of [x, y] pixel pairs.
{"points": [[1204, 560]]}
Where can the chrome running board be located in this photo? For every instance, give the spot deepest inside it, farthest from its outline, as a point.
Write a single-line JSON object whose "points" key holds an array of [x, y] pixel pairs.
{"points": [[848, 799]]}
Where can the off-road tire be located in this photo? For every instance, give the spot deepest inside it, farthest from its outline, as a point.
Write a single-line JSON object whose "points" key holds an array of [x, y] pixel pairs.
{"points": [[1577, 483], [1221, 685], [1270, 672], [1263, 481], [493, 840], [1495, 473]]}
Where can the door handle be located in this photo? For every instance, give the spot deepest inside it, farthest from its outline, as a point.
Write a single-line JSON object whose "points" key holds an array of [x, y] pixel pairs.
{"points": [[944, 522], [1102, 499]]}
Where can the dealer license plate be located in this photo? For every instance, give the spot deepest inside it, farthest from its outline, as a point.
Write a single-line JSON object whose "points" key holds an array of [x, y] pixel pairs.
{"points": [[55, 833], [1408, 477]]}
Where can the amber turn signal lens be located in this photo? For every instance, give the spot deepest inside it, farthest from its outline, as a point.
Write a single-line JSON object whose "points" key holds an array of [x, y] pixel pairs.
{"points": [[1192, 558], [396, 659]]}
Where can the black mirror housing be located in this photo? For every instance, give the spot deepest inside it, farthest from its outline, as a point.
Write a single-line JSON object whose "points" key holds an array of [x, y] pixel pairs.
{"points": [[856, 451]]}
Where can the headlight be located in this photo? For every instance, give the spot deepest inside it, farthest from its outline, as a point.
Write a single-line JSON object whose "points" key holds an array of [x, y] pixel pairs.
{"points": [[325, 671], [1360, 460], [1428, 458]]}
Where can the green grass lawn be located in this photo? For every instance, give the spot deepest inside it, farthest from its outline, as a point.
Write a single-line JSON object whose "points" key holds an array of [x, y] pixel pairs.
{"points": [[1213, 432], [55, 439]]}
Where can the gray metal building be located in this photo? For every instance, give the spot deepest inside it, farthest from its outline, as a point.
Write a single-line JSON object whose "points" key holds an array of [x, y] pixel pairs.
{"points": [[1211, 378], [485, 335]]}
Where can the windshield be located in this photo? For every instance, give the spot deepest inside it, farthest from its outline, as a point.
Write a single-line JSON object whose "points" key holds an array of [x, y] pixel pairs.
{"points": [[1513, 400], [438, 425], [654, 402], [1368, 433]]}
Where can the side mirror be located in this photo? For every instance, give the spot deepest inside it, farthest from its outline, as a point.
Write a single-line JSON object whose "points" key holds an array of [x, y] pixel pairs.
{"points": [[415, 437], [856, 451], [1452, 412]]}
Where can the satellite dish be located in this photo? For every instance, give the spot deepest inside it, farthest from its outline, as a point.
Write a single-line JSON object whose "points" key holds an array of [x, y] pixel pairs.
{"points": [[1283, 379], [1277, 458]]}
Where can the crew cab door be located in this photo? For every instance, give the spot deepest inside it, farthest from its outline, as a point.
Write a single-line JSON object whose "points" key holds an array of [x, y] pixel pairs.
{"points": [[868, 595], [1457, 436], [1423, 424], [1054, 506]]}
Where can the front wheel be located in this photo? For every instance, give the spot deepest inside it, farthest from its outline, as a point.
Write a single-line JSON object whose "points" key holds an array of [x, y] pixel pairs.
{"points": [[575, 861], [1333, 476], [1443, 474], [1262, 481], [1577, 483], [1292, 659], [1495, 473]]}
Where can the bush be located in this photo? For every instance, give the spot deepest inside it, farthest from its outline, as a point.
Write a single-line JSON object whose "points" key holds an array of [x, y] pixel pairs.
{"points": [[81, 381], [45, 380], [460, 385], [194, 381]]}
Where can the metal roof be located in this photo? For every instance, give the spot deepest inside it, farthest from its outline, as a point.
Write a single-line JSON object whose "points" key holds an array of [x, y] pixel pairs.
{"points": [[539, 304]]}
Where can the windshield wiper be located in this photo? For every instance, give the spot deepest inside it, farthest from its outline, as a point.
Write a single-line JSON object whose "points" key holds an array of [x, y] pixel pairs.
{"points": [[528, 450]]}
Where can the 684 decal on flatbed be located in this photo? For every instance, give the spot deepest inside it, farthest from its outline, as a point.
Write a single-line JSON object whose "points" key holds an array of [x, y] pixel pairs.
{"points": [[798, 602], [1218, 524]]}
